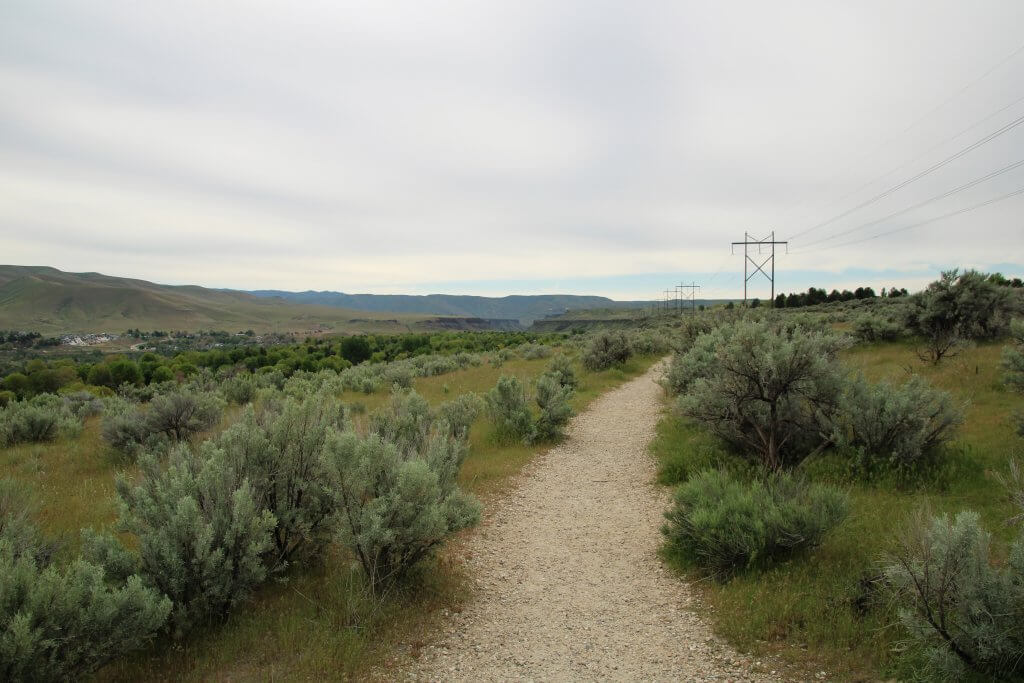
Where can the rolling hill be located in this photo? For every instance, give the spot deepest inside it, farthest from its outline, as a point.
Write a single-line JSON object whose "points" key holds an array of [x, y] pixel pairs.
{"points": [[524, 308], [51, 301]]}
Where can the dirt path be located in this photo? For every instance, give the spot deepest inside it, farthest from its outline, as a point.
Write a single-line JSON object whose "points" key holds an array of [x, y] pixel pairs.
{"points": [[568, 583]]}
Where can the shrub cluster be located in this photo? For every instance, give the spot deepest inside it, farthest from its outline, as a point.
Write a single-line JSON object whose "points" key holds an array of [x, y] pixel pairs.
{"points": [[240, 389], [1013, 357], [509, 410], [722, 524], [776, 394], [396, 507], [762, 390], [873, 328], [460, 413], [534, 351], [43, 418], [169, 418], [898, 429], [560, 369], [275, 487], [607, 349], [202, 536], [63, 623], [962, 613], [955, 308]]}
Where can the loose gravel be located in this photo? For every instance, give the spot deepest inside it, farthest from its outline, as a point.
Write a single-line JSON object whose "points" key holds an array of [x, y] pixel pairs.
{"points": [[568, 584]]}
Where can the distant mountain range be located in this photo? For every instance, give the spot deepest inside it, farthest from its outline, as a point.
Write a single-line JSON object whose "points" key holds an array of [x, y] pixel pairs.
{"points": [[524, 308], [51, 301]]}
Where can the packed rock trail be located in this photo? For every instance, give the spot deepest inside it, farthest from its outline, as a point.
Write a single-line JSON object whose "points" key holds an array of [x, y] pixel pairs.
{"points": [[568, 584]]}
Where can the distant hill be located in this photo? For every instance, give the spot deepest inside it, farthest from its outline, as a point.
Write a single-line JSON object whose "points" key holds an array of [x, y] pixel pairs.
{"points": [[524, 308], [51, 301]]}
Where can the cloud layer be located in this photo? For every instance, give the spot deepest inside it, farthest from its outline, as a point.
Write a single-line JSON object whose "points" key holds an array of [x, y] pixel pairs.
{"points": [[491, 147]]}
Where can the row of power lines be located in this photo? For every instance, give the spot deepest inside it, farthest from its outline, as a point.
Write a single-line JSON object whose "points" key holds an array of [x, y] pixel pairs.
{"points": [[759, 252]]}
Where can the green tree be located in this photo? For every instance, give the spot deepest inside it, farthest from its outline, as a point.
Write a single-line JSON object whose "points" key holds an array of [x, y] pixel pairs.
{"points": [[356, 349]]}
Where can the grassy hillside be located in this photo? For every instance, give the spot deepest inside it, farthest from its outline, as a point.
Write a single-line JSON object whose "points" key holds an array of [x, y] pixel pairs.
{"points": [[51, 301], [522, 308]]}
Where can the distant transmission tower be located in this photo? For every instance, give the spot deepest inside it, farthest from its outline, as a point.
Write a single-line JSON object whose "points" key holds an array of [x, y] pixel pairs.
{"points": [[747, 242], [693, 287]]}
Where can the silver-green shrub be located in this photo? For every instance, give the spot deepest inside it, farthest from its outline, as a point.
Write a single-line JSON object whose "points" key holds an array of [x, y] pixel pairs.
{"points": [[508, 410], [239, 389], [399, 375], [43, 418], [698, 361], [962, 613], [269, 378], [894, 428], [17, 528], [650, 342], [431, 366], [553, 400], [405, 421], [83, 404], [870, 327], [463, 360], [396, 507], [280, 454], [1013, 356], [125, 428], [460, 413], [181, 415], [560, 368], [201, 534], [60, 624], [606, 350], [768, 392], [532, 351], [723, 525]]}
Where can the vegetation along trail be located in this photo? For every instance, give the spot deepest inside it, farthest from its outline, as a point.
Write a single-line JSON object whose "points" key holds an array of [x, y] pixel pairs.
{"points": [[568, 581]]}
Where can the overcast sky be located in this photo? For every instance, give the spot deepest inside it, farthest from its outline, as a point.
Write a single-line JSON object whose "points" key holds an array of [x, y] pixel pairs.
{"points": [[485, 147]]}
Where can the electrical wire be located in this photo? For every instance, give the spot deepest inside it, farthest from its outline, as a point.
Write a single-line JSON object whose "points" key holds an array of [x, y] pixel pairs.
{"points": [[928, 171], [913, 125], [925, 153], [947, 193], [951, 214]]}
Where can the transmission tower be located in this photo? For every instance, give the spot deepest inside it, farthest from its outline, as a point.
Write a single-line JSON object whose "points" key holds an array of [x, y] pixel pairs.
{"points": [[748, 242], [691, 297]]}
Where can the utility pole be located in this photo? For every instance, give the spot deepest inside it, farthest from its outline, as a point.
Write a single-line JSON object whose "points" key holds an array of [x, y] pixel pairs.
{"points": [[749, 241], [668, 300], [693, 287]]}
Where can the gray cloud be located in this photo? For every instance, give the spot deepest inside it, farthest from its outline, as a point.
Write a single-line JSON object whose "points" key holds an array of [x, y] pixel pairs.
{"points": [[386, 146]]}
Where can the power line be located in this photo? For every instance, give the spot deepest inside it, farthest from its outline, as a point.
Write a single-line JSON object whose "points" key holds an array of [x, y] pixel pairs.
{"points": [[947, 193], [928, 171], [918, 121], [967, 87], [951, 214], [925, 153]]}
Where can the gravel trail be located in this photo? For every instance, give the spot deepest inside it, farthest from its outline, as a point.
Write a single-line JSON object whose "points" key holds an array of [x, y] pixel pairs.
{"points": [[568, 585]]}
